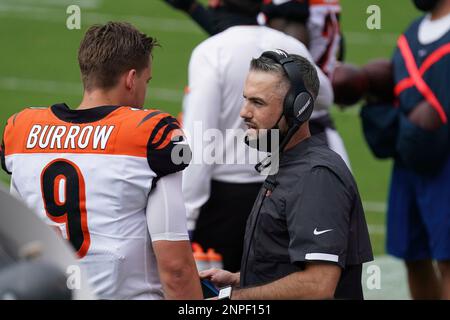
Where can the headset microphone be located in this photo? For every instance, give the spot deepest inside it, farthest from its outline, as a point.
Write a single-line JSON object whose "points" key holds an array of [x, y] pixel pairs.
{"points": [[267, 161]]}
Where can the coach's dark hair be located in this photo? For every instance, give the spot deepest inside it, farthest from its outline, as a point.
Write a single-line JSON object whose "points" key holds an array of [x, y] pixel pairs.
{"points": [[245, 7], [307, 70], [109, 50]]}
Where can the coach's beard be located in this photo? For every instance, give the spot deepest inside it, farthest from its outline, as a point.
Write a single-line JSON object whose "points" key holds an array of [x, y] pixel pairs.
{"points": [[263, 139]]}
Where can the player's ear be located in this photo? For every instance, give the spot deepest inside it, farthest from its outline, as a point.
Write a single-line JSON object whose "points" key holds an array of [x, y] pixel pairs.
{"points": [[130, 79]]}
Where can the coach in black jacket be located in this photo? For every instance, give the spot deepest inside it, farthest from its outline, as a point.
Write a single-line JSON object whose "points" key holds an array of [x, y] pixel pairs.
{"points": [[306, 236]]}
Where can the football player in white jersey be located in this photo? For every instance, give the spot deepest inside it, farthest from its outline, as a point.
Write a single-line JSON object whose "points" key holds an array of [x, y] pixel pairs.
{"points": [[314, 22], [325, 33], [107, 175]]}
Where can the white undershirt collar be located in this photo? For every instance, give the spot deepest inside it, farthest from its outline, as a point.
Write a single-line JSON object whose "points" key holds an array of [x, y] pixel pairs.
{"points": [[430, 31]]}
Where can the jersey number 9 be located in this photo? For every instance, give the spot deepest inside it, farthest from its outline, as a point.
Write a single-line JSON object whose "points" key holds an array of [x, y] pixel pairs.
{"points": [[64, 196]]}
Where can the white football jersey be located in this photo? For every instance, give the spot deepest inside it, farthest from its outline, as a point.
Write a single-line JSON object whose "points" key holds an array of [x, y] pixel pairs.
{"points": [[324, 33], [88, 173]]}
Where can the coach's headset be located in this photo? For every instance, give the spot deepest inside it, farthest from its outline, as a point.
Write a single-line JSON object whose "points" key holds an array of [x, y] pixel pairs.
{"points": [[298, 104]]}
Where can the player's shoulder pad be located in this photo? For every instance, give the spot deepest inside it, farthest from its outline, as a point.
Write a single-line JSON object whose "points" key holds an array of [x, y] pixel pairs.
{"points": [[147, 122], [14, 131], [22, 117], [158, 135], [167, 149]]}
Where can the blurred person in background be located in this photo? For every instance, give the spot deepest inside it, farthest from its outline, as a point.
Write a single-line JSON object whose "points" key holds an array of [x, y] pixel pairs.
{"points": [[213, 18], [414, 131], [316, 24]]}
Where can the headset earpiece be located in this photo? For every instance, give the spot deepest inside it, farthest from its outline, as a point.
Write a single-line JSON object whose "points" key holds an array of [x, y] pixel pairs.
{"points": [[298, 104], [303, 107], [288, 110]]}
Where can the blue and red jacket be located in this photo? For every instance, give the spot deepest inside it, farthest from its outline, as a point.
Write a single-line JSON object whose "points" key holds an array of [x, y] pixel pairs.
{"points": [[433, 64], [421, 72]]}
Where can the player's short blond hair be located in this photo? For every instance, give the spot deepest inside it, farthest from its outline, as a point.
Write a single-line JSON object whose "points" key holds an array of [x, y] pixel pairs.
{"points": [[109, 50]]}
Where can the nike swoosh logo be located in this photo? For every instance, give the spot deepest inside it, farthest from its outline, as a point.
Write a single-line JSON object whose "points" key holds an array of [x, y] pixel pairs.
{"points": [[316, 232]]}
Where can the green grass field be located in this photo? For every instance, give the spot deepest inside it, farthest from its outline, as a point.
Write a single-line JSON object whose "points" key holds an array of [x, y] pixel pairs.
{"points": [[38, 66]]}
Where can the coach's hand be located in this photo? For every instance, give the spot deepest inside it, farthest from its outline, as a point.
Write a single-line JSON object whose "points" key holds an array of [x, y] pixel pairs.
{"points": [[184, 5], [221, 278]]}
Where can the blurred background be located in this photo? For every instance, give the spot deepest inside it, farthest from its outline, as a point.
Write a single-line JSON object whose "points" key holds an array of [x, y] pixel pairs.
{"points": [[38, 67]]}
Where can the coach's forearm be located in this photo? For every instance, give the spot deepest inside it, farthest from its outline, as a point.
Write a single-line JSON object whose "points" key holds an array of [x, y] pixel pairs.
{"points": [[309, 284]]}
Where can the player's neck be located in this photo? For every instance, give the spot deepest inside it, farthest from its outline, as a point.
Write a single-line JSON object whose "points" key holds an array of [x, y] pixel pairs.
{"points": [[441, 10], [96, 98]]}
